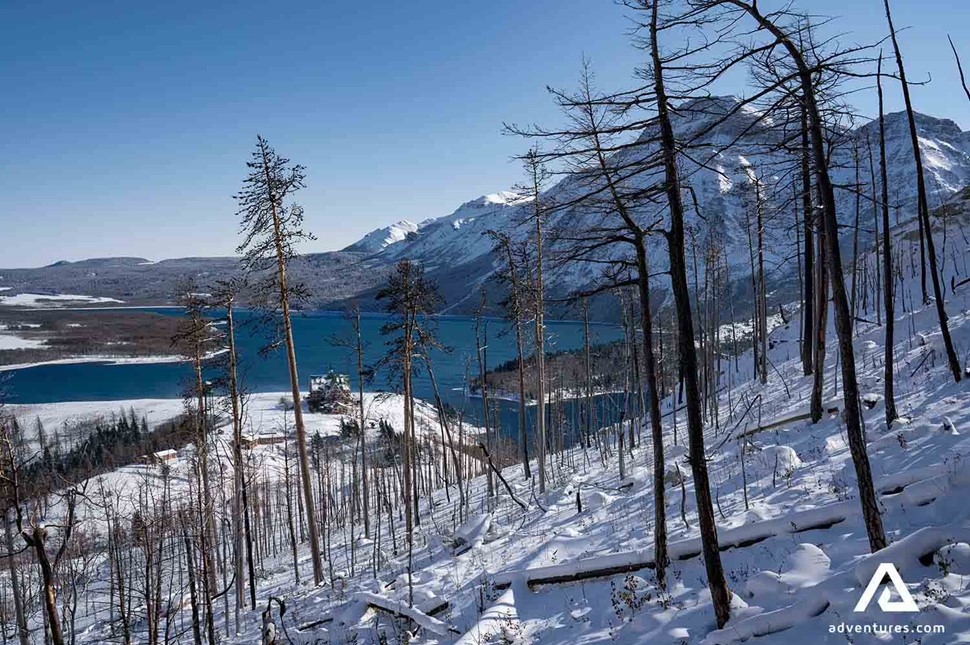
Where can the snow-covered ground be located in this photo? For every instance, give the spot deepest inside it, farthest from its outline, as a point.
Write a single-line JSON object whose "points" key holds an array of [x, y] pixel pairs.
{"points": [[265, 414], [105, 358], [57, 415], [795, 552], [10, 340], [39, 300]]}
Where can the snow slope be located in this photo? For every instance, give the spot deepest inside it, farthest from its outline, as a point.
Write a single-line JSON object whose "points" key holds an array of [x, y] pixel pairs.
{"points": [[38, 300], [379, 239], [10, 340], [793, 544], [265, 413]]}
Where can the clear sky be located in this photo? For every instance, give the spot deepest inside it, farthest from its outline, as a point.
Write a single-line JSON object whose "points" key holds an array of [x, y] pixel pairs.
{"points": [[125, 126]]}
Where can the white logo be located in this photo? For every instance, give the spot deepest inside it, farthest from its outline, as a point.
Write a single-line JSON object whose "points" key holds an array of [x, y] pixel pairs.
{"points": [[904, 604]]}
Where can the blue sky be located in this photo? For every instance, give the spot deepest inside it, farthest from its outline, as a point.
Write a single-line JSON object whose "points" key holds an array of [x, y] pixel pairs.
{"points": [[125, 126]]}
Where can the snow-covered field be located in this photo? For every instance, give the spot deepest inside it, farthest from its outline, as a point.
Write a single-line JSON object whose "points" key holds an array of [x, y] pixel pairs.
{"points": [[10, 340], [265, 414], [39, 300], [56, 415]]}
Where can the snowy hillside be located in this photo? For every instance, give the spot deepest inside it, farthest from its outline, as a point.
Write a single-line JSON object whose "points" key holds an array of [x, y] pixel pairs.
{"points": [[379, 239], [458, 238], [793, 542]]}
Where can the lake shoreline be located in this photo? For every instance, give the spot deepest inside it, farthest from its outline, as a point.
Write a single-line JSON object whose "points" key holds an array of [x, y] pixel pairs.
{"points": [[108, 375], [108, 361]]}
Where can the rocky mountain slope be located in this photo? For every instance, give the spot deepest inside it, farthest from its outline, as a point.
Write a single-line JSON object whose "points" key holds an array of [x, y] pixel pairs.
{"points": [[728, 161]]}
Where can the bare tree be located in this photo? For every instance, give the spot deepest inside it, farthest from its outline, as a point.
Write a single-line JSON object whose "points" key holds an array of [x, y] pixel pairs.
{"points": [[926, 229], [362, 373], [34, 534], [956, 56], [410, 296], [225, 296], [536, 176], [9, 458], [272, 230], [716, 582], [509, 272], [887, 262], [772, 24], [196, 340], [808, 300], [601, 169]]}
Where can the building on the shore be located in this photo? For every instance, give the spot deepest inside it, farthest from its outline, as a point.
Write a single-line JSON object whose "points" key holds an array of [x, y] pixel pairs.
{"points": [[329, 393]]}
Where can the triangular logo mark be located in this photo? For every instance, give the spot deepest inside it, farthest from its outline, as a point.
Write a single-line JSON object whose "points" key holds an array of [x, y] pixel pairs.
{"points": [[904, 604]]}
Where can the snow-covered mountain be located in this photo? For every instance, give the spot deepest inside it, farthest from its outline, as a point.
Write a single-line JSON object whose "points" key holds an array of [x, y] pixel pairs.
{"points": [[381, 238], [946, 155], [449, 240], [729, 158], [457, 252]]}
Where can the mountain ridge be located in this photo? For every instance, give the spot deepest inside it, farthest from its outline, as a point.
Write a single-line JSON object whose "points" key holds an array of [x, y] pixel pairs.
{"points": [[458, 254]]}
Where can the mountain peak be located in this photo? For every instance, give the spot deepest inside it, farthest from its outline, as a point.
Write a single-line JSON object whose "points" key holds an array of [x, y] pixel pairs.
{"points": [[381, 238], [501, 198]]}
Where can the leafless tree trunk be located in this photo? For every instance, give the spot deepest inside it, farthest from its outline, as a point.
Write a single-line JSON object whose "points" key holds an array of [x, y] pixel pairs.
{"points": [[364, 477], [889, 376], [830, 229], [272, 229], [193, 595], [535, 175], [481, 355], [18, 598], [808, 301], [716, 582], [514, 310], [956, 56], [924, 210]]}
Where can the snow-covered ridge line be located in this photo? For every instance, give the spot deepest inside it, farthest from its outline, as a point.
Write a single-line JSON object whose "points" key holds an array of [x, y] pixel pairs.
{"points": [[455, 248]]}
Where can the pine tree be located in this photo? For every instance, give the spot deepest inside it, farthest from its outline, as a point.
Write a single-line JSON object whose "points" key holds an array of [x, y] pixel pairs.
{"points": [[273, 229]]}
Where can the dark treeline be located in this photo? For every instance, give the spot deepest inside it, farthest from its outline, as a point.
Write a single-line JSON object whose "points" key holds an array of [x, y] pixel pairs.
{"points": [[93, 448]]}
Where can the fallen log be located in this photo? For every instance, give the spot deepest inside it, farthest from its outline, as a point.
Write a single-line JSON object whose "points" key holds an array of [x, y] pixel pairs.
{"points": [[424, 619], [738, 537]]}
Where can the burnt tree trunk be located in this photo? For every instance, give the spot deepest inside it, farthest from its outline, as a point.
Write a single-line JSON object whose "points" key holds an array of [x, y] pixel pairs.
{"points": [[720, 595], [887, 263], [843, 319], [808, 302], [924, 211]]}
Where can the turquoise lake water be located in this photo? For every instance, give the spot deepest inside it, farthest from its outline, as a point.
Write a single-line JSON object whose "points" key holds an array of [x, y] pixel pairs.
{"points": [[313, 332]]}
